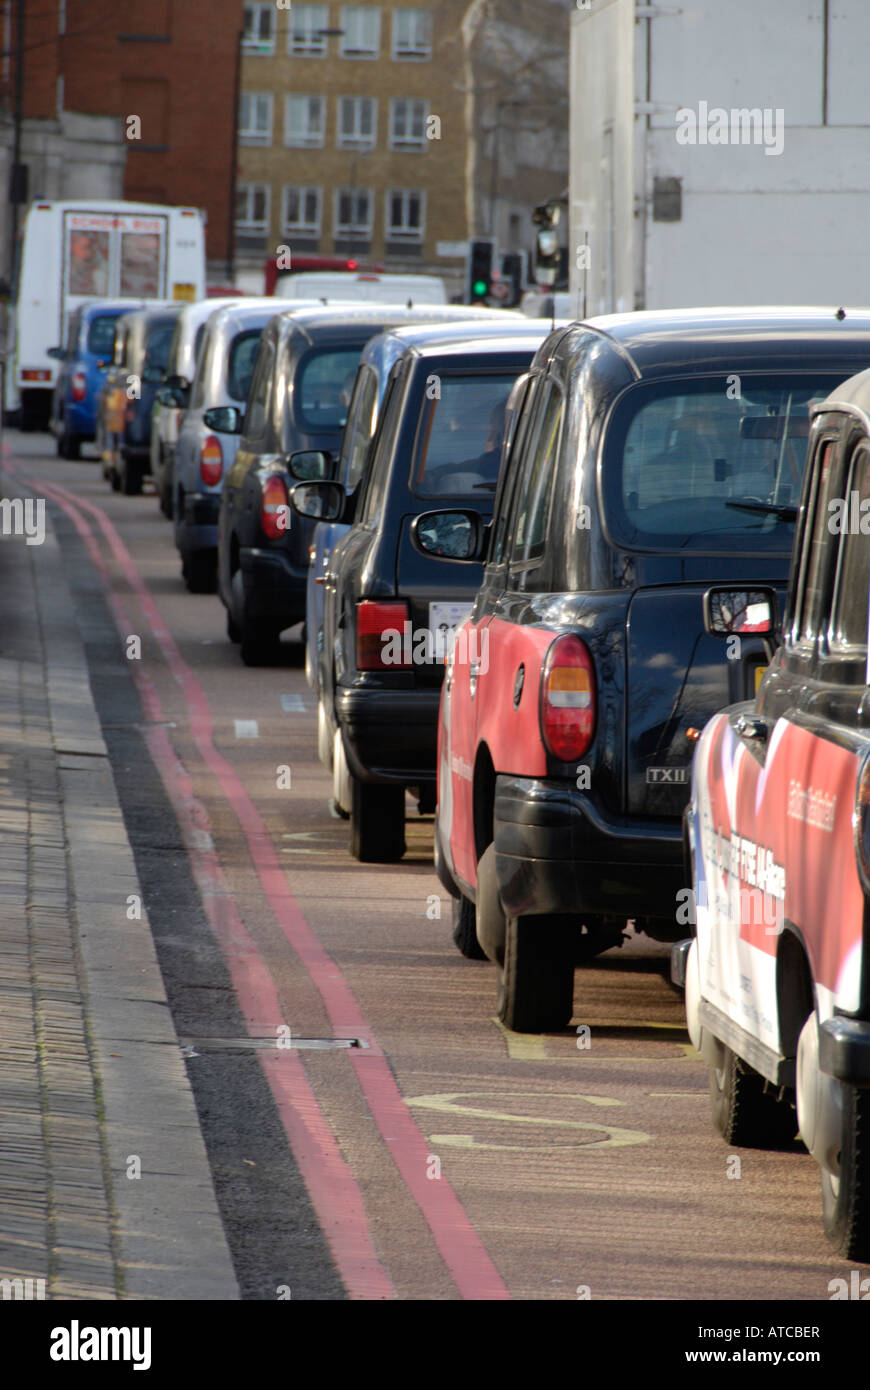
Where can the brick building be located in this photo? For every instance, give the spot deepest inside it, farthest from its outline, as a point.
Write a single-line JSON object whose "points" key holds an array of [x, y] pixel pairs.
{"points": [[391, 131], [91, 65]]}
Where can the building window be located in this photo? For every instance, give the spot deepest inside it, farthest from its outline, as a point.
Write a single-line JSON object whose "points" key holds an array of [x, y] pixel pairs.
{"points": [[353, 212], [357, 123], [303, 121], [406, 215], [304, 36], [252, 216], [255, 118], [258, 35], [407, 124], [362, 31], [412, 34], [302, 209]]}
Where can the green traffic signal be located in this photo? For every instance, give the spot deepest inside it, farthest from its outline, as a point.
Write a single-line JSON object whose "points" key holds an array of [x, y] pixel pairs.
{"points": [[480, 287]]}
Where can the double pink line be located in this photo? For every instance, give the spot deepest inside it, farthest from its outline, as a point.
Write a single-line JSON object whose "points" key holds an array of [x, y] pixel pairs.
{"points": [[330, 1181]]}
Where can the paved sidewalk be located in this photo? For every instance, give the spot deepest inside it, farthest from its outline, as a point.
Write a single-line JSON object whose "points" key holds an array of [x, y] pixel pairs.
{"points": [[105, 1188]]}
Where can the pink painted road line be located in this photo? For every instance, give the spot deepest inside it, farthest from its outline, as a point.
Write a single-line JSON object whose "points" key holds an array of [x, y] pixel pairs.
{"points": [[330, 1181], [464, 1254]]}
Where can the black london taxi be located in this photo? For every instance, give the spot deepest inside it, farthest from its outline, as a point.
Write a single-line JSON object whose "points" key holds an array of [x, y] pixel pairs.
{"points": [[297, 404], [389, 610], [652, 483], [776, 981]]}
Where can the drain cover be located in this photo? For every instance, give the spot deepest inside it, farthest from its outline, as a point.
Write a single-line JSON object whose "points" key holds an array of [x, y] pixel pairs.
{"points": [[245, 1044]]}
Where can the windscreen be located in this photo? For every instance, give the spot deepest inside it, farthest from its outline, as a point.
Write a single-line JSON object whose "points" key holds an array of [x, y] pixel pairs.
{"points": [[459, 442], [240, 362], [710, 464], [101, 335]]}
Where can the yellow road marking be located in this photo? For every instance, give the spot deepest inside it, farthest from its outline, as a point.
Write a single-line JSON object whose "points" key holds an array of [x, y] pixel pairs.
{"points": [[523, 1047], [445, 1104]]}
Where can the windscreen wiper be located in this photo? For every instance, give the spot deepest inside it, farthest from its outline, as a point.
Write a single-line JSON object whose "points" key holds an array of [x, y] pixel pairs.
{"points": [[784, 510]]}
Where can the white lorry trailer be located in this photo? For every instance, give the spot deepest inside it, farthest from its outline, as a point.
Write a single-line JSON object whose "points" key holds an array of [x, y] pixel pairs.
{"points": [[718, 154]]}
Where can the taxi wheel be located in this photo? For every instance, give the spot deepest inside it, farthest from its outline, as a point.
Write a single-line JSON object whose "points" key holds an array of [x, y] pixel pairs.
{"points": [[846, 1194], [377, 822], [324, 737], [465, 929], [200, 571], [69, 446], [259, 643], [131, 477], [744, 1112], [166, 497], [536, 981]]}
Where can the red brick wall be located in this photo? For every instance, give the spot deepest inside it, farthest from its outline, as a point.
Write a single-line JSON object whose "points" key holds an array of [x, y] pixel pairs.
{"points": [[170, 62]]}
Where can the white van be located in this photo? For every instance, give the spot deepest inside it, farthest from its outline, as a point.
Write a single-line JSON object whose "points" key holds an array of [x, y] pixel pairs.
{"points": [[71, 252], [340, 286]]}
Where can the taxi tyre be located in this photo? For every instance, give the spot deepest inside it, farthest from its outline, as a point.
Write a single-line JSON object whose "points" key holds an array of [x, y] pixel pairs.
{"points": [[536, 981], [259, 643], [465, 929], [834, 1120], [743, 1112], [324, 737], [846, 1195], [199, 569], [166, 503], [342, 794], [130, 481], [490, 924], [377, 822], [69, 446]]}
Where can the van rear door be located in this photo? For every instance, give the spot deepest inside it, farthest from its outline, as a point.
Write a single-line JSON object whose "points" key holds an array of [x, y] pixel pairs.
{"points": [[111, 255]]}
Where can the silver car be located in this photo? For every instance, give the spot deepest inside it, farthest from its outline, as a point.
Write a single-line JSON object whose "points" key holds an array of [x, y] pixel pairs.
{"points": [[204, 451], [172, 398]]}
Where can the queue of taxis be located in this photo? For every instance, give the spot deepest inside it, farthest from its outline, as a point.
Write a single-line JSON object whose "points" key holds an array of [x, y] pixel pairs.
{"points": [[652, 482]]}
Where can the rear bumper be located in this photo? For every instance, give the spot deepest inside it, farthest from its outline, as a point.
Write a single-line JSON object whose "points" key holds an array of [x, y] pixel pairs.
{"points": [[557, 851], [274, 588], [80, 420], [390, 735], [197, 527]]}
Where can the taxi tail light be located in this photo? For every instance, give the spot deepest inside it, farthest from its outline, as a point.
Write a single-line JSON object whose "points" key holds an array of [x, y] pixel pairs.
{"points": [[861, 822], [377, 648], [568, 698], [79, 386], [275, 508], [211, 461]]}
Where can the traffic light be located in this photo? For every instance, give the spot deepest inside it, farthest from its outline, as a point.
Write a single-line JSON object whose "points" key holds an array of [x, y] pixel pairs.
{"points": [[479, 268], [548, 253]]}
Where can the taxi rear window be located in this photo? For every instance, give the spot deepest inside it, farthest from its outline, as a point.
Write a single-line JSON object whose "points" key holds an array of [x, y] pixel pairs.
{"points": [[710, 464]]}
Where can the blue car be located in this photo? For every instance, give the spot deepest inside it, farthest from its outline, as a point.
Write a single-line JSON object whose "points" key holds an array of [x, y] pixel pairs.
{"points": [[84, 361]]}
